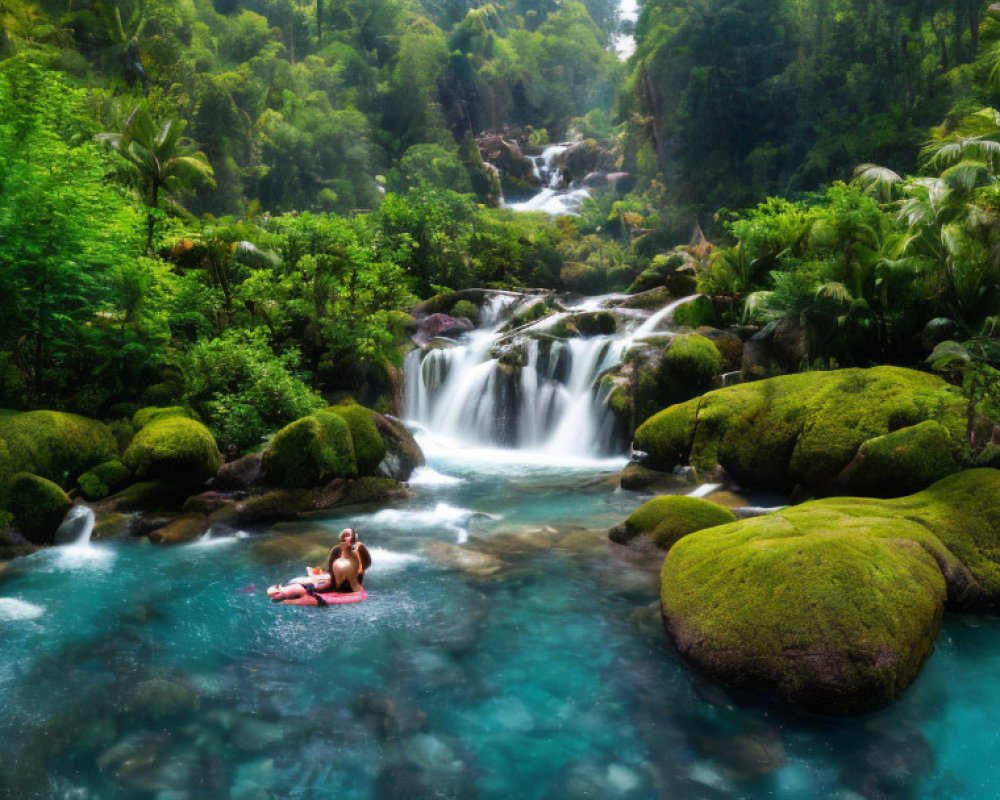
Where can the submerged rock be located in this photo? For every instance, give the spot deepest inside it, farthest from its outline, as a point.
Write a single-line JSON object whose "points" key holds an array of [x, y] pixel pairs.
{"points": [[802, 430], [471, 562], [185, 528], [832, 606]]}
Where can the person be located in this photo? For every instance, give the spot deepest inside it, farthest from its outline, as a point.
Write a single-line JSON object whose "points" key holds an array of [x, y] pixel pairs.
{"points": [[347, 563]]}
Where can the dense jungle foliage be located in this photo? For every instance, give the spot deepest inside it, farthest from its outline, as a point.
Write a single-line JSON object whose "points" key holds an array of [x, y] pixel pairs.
{"points": [[231, 204]]}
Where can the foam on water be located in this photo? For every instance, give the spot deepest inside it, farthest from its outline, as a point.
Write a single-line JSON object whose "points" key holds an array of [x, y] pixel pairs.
{"points": [[388, 560], [428, 476], [13, 609], [705, 489]]}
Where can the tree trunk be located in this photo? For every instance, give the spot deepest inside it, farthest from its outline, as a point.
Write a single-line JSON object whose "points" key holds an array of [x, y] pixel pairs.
{"points": [[319, 20]]}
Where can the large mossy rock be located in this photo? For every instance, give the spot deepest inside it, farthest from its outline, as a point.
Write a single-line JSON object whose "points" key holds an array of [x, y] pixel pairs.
{"points": [[801, 431], [832, 606], [173, 448], [688, 368], [38, 505], [901, 462], [53, 445], [667, 519], [310, 452], [369, 449], [100, 481]]}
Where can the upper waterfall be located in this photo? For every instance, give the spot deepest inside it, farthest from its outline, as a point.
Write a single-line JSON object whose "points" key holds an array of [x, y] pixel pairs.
{"points": [[529, 385]]}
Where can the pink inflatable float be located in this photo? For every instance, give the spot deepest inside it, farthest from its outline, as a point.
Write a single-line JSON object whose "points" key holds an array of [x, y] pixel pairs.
{"points": [[295, 593]]}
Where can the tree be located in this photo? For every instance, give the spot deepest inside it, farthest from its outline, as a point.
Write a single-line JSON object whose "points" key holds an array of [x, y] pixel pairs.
{"points": [[162, 162]]}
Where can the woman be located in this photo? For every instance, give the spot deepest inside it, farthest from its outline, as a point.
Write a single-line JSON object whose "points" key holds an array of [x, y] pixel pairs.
{"points": [[347, 563]]}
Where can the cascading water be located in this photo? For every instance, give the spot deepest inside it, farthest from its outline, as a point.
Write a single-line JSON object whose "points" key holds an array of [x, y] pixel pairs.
{"points": [[525, 388], [552, 198], [76, 527]]}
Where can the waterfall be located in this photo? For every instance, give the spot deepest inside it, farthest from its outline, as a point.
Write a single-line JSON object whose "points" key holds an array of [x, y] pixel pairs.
{"points": [[525, 389], [551, 199], [76, 527]]}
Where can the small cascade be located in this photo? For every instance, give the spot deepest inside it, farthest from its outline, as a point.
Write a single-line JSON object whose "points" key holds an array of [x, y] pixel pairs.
{"points": [[526, 389], [76, 527], [552, 198]]}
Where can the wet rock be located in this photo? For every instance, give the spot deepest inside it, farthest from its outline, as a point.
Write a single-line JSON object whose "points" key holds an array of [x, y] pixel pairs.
{"points": [[510, 355], [243, 473], [207, 503], [471, 562], [747, 755], [729, 500], [185, 528], [253, 735], [649, 300], [435, 325], [159, 700], [582, 541], [389, 718], [431, 753], [516, 169], [113, 526], [402, 453], [637, 478], [729, 345]]}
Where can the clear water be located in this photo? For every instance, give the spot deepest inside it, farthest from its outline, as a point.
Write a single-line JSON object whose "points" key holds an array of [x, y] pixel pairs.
{"points": [[130, 671]]}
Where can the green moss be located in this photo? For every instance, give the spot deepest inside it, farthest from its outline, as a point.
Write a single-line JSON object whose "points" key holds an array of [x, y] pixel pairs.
{"points": [[173, 448], [310, 452], [38, 506], [902, 462], [102, 480], [369, 449], [668, 518], [797, 430], [532, 313], [53, 445], [463, 308], [834, 604], [697, 313], [596, 323], [144, 416], [688, 368]]}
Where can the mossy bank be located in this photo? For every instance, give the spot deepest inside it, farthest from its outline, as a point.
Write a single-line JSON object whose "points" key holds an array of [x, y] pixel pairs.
{"points": [[833, 606]]}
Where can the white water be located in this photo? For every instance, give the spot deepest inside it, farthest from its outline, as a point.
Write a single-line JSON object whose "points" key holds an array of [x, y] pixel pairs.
{"points": [[13, 609], [76, 527], [552, 199], [545, 401]]}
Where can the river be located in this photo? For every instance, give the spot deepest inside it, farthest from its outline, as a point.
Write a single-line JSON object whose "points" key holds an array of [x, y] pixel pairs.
{"points": [[506, 650]]}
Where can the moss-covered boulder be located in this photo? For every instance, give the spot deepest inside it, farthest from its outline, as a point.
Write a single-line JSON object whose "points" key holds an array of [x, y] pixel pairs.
{"points": [[102, 480], [38, 505], [832, 606], [53, 445], [798, 430], [369, 449], [901, 462], [463, 308], [144, 416], [666, 519], [310, 452], [688, 368], [173, 448]]}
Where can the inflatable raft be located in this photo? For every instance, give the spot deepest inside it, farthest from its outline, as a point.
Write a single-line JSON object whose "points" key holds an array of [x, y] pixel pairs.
{"points": [[299, 592]]}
